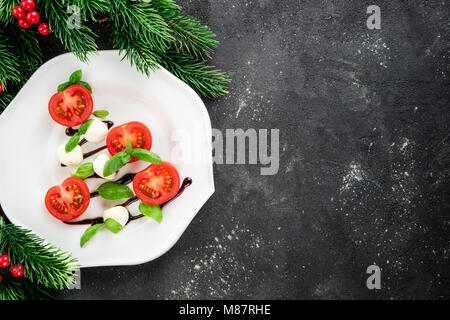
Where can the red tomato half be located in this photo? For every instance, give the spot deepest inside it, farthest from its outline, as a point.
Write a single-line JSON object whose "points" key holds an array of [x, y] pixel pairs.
{"points": [[69, 200], [157, 184], [72, 106], [136, 132]]}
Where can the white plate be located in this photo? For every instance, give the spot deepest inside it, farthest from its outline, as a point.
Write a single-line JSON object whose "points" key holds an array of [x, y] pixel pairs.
{"points": [[181, 131]]}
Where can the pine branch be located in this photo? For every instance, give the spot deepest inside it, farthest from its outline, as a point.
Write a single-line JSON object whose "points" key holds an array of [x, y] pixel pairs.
{"points": [[89, 8], [22, 289], [9, 62], [180, 57], [26, 46], [44, 263], [205, 80], [79, 40], [192, 38], [6, 7], [140, 22], [20, 56], [137, 52], [5, 100]]}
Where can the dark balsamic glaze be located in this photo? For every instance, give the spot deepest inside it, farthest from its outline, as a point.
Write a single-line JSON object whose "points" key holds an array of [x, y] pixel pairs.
{"points": [[186, 183], [83, 141], [71, 131], [90, 153]]}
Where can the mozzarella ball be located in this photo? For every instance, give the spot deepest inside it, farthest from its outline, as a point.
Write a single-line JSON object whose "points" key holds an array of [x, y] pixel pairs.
{"points": [[99, 165], [71, 159], [119, 213], [96, 132]]}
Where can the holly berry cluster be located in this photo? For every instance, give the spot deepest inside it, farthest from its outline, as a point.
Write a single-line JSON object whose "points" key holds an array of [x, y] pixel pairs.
{"points": [[17, 270], [27, 16]]}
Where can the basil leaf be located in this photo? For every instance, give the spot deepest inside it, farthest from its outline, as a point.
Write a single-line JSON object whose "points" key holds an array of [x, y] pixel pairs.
{"points": [[63, 86], [151, 211], [146, 156], [116, 162], [75, 77], [73, 142], [86, 85], [84, 171], [113, 226], [85, 126], [90, 232], [129, 147], [100, 114], [114, 191]]}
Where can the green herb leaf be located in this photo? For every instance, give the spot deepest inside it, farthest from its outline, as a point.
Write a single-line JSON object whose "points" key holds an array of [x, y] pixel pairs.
{"points": [[114, 191], [63, 86], [115, 163], [84, 171], [85, 126], [129, 147], [151, 211], [146, 156], [86, 85], [113, 226], [73, 142], [100, 114], [75, 77], [90, 232]]}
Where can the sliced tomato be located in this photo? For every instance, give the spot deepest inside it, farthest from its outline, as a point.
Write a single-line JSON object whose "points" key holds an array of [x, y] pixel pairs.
{"points": [[136, 132], [72, 106], [69, 200], [157, 184]]}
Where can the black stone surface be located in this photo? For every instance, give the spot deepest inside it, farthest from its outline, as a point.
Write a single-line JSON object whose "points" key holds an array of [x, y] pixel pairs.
{"points": [[364, 159]]}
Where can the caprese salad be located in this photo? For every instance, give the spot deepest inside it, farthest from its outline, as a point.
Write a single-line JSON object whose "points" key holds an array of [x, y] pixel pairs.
{"points": [[73, 107]]}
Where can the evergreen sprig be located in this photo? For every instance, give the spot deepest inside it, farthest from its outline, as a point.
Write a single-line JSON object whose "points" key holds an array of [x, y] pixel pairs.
{"points": [[204, 79], [44, 264], [79, 40], [9, 62], [91, 7], [192, 38], [6, 7], [184, 52], [148, 34]]}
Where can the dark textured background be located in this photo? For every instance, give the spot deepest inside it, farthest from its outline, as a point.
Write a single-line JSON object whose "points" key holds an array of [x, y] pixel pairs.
{"points": [[365, 152]]}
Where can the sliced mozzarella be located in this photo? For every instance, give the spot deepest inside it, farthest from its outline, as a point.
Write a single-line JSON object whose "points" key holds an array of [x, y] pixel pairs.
{"points": [[99, 165], [119, 213], [71, 159], [96, 132]]}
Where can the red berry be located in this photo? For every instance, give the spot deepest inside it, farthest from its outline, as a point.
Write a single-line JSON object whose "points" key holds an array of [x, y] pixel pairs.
{"points": [[33, 17], [4, 261], [0, 278], [28, 5], [23, 23], [18, 270], [43, 28], [1, 87], [18, 12]]}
